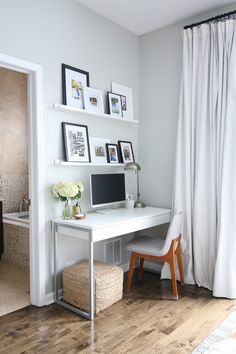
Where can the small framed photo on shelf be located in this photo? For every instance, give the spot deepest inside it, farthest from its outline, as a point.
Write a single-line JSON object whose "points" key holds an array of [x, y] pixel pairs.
{"points": [[123, 104], [74, 81], [76, 142], [126, 151], [93, 100], [114, 103], [127, 100], [98, 149], [112, 153]]}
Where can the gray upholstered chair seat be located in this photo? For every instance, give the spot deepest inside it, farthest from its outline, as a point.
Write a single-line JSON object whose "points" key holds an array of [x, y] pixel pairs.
{"points": [[146, 245]]}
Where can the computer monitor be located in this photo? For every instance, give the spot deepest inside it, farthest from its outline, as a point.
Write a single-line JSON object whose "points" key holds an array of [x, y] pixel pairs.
{"points": [[107, 189]]}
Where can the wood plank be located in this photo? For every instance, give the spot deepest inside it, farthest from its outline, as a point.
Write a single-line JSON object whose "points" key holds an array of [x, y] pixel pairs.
{"points": [[146, 320]]}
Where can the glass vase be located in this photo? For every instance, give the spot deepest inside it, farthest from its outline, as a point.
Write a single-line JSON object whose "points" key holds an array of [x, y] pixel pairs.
{"points": [[67, 211]]}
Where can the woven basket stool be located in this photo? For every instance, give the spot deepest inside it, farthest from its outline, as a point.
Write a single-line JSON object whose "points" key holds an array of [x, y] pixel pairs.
{"points": [[108, 285]]}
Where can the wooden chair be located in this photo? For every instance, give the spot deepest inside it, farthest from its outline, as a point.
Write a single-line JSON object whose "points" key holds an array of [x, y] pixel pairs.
{"points": [[154, 249]]}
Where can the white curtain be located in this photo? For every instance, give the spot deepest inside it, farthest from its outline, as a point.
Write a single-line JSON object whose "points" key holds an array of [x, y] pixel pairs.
{"points": [[205, 174]]}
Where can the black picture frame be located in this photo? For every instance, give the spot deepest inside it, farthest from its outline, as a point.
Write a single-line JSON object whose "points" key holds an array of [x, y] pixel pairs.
{"points": [[122, 156], [109, 159], [64, 68], [112, 113], [123, 104], [73, 148]]}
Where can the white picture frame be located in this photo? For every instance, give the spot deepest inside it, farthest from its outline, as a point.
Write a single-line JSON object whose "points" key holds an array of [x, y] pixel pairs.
{"points": [[93, 100], [98, 150], [128, 110]]}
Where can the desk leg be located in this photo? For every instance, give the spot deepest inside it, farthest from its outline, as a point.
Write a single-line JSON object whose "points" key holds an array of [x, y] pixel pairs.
{"points": [[89, 315], [91, 282], [55, 263]]}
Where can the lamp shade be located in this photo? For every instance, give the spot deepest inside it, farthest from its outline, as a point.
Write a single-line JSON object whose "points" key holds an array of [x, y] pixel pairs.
{"points": [[133, 166]]}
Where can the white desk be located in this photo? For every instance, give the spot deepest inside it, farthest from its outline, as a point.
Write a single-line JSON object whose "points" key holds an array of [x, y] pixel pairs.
{"points": [[97, 227]]}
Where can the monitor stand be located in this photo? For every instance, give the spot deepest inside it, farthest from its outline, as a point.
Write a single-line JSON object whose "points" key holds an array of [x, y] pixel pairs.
{"points": [[104, 211]]}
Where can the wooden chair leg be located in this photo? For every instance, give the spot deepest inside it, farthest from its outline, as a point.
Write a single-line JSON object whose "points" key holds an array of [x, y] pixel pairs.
{"points": [[140, 269], [131, 271], [173, 277], [180, 264]]}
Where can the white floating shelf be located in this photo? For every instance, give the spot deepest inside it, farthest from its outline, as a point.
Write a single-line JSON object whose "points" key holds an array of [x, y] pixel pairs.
{"points": [[66, 163], [93, 114]]}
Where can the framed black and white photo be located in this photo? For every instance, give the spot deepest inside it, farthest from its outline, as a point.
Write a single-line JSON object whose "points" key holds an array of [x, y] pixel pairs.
{"points": [[93, 100], [76, 142], [74, 81], [123, 104], [114, 103], [126, 151], [126, 92], [98, 149], [112, 153]]}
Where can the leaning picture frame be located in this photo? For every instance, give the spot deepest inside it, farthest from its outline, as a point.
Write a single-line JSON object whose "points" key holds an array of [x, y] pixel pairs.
{"points": [[93, 100], [112, 153], [126, 151], [126, 99], [76, 142], [98, 149], [74, 82], [114, 104]]}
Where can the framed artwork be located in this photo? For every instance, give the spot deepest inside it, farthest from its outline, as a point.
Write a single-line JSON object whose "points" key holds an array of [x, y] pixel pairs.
{"points": [[112, 153], [114, 103], [76, 142], [127, 100], [98, 149], [74, 81], [123, 105], [126, 151], [93, 100]]}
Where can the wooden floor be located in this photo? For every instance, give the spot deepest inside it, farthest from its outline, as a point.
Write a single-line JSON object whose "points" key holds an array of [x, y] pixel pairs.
{"points": [[145, 321]]}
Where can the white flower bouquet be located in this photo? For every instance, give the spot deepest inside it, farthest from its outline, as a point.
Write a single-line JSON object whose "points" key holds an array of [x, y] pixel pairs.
{"points": [[67, 190]]}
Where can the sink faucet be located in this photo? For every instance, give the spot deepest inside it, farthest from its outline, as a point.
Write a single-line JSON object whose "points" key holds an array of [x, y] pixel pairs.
{"points": [[24, 204]]}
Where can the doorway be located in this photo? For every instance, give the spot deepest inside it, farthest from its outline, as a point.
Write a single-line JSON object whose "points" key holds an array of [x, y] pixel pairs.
{"points": [[14, 192], [37, 261]]}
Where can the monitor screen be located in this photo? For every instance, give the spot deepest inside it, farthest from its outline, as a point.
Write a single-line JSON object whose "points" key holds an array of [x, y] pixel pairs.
{"points": [[107, 188]]}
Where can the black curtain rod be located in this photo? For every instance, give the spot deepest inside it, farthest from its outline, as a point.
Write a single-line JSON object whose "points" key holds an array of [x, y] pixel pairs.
{"points": [[212, 19]]}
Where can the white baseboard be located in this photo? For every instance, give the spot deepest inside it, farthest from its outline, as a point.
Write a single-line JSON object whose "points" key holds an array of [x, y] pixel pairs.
{"points": [[150, 266], [125, 267], [153, 267], [50, 297]]}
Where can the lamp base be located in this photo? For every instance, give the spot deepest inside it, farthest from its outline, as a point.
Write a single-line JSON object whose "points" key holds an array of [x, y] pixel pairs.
{"points": [[139, 205]]}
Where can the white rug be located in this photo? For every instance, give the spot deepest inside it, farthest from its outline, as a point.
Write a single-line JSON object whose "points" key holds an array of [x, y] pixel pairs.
{"points": [[219, 342]]}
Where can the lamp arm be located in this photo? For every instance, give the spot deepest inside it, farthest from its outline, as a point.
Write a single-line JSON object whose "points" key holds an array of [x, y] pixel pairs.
{"points": [[138, 193]]}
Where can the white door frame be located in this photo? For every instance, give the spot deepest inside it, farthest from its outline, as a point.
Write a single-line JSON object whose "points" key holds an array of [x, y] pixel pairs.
{"points": [[36, 173]]}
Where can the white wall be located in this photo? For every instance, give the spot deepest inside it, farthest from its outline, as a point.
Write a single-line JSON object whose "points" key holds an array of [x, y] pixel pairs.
{"points": [[160, 75], [51, 32]]}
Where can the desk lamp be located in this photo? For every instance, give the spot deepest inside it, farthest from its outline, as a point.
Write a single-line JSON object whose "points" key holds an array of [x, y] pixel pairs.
{"points": [[134, 166]]}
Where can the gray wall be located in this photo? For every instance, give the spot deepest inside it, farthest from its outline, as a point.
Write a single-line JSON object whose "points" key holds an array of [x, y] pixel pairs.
{"points": [[160, 76], [51, 32]]}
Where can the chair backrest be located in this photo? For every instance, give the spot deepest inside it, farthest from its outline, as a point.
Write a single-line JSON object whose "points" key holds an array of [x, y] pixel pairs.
{"points": [[174, 231]]}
